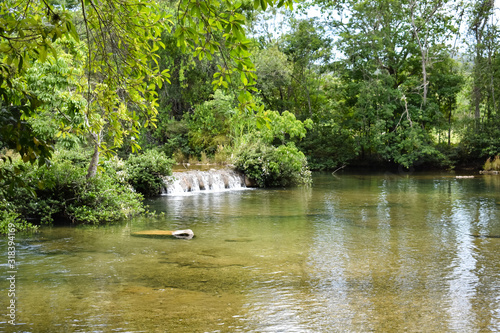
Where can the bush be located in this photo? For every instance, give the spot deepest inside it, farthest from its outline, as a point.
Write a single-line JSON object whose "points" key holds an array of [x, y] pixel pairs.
{"points": [[492, 165], [146, 171], [271, 166], [9, 217], [209, 123], [63, 193], [481, 143], [328, 146]]}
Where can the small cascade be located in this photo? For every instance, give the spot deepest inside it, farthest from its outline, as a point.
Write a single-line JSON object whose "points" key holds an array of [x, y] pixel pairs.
{"points": [[197, 181]]}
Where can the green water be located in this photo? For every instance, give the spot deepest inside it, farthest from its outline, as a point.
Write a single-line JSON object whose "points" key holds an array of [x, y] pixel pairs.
{"points": [[354, 253]]}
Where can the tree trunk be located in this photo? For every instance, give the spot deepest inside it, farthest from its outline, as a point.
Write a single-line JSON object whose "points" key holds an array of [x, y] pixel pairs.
{"points": [[94, 162], [483, 11], [308, 97], [449, 127], [476, 90], [425, 56], [492, 85]]}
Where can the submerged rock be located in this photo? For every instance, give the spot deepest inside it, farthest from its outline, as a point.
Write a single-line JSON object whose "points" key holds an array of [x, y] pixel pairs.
{"points": [[182, 234]]}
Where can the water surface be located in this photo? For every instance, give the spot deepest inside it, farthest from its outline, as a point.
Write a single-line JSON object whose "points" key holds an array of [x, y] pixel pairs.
{"points": [[355, 252]]}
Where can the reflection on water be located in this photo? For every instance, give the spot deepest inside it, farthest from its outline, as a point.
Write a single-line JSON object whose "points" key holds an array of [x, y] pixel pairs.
{"points": [[354, 253]]}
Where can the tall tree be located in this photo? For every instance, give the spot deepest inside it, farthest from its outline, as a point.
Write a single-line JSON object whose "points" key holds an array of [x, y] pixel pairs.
{"points": [[388, 48], [28, 30], [309, 49], [274, 73], [479, 16], [122, 71], [431, 24]]}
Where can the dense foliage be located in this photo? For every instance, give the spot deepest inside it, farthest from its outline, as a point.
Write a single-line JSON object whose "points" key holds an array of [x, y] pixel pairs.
{"points": [[145, 171], [492, 165], [268, 165], [63, 193]]}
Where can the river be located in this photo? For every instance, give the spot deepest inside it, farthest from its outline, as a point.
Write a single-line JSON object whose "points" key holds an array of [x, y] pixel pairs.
{"points": [[353, 253]]}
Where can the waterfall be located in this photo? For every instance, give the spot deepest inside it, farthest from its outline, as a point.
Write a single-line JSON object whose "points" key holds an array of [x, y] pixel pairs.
{"points": [[203, 181]]}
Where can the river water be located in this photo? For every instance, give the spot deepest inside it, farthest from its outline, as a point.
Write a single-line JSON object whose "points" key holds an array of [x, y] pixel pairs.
{"points": [[353, 253]]}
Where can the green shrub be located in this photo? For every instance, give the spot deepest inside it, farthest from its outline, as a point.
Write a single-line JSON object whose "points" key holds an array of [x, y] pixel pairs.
{"points": [[146, 171], [271, 166], [209, 123], [9, 218], [328, 146], [62, 193], [492, 165]]}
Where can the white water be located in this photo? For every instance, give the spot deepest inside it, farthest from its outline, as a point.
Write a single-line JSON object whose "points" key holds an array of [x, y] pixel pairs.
{"points": [[187, 182]]}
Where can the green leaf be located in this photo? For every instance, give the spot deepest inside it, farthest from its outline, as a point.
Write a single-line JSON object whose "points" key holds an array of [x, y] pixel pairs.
{"points": [[263, 4], [20, 65]]}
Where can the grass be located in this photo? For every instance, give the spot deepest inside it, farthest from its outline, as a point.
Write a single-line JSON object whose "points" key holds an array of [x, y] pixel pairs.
{"points": [[492, 165]]}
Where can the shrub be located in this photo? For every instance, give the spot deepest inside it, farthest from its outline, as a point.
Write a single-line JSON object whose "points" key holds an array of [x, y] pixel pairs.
{"points": [[267, 165], [63, 193], [9, 217], [146, 171], [492, 165], [328, 146], [222, 155], [209, 123]]}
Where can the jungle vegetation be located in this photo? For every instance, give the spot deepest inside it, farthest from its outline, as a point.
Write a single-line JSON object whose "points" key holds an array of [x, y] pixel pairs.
{"points": [[98, 99]]}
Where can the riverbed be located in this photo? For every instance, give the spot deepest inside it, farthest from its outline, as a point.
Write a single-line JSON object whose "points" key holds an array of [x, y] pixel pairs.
{"points": [[356, 252]]}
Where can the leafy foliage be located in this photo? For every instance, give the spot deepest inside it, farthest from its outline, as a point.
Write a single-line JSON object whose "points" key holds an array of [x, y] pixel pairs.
{"points": [[27, 34], [492, 165], [145, 171], [328, 146], [274, 74], [271, 166], [9, 218], [210, 123], [64, 194], [283, 127], [483, 143]]}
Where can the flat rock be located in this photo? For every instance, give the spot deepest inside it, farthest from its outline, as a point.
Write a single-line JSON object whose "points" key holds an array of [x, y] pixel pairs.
{"points": [[182, 234]]}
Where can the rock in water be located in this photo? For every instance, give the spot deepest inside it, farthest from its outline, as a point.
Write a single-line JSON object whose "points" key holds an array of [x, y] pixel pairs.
{"points": [[183, 234]]}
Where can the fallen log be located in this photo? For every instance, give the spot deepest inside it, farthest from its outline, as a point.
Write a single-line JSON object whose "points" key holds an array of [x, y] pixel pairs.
{"points": [[182, 234]]}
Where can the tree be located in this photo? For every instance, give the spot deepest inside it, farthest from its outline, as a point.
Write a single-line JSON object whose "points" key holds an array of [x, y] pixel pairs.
{"points": [[388, 48], [211, 27], [27, 33], [446, 84], [274, 73], [430, 22], [122, 72], [479, 16], [309, 50]]}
